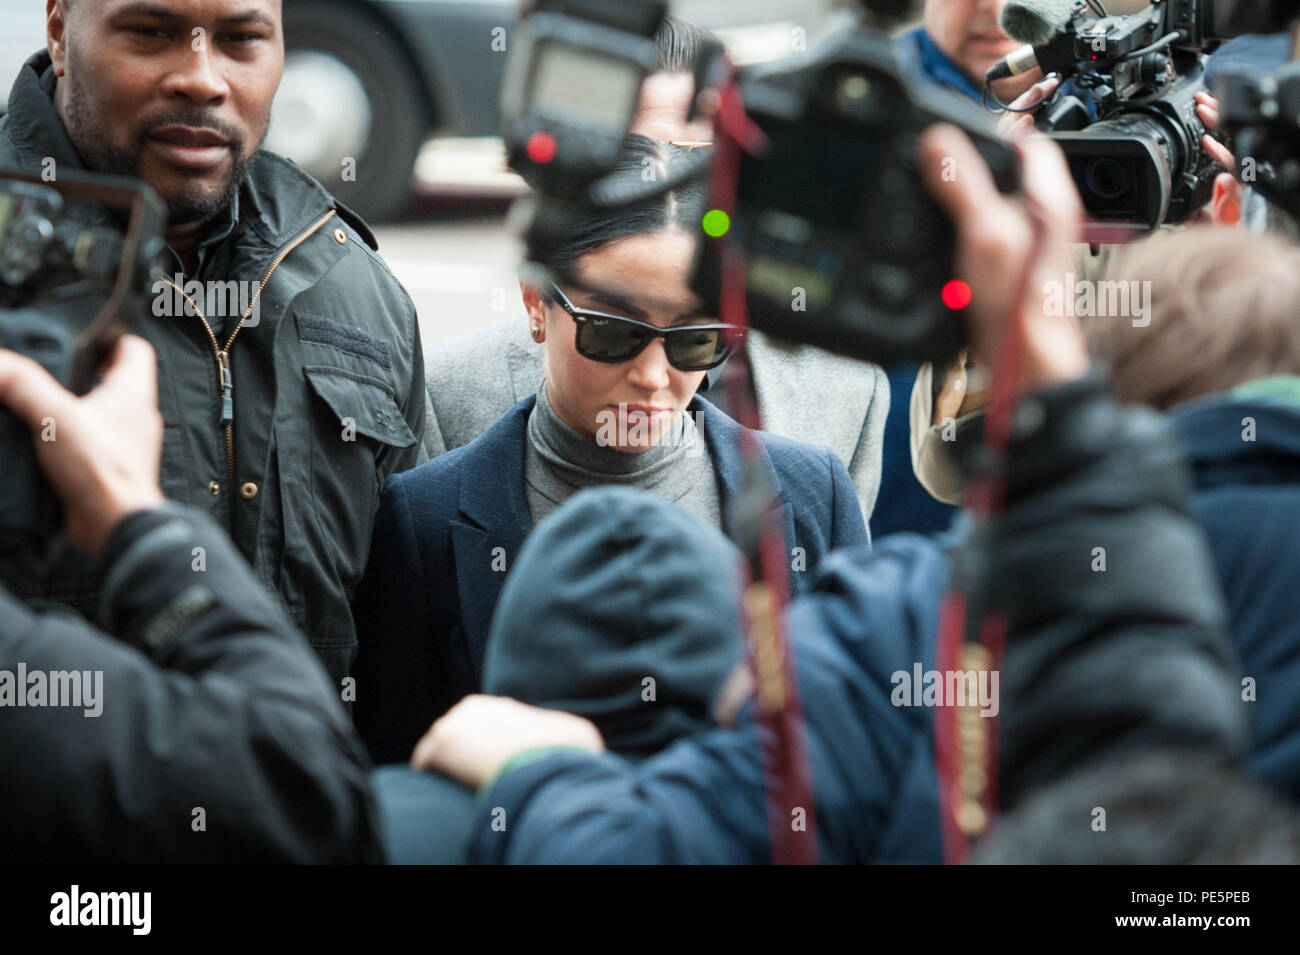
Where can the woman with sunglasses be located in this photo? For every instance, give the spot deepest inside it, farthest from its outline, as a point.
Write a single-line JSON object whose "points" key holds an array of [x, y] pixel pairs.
{"points": [[626, 344]]}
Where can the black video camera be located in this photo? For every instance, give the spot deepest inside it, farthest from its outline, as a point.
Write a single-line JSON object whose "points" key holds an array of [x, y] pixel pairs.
{"points": [[76, 256], [1128, 125], [844, 248]]}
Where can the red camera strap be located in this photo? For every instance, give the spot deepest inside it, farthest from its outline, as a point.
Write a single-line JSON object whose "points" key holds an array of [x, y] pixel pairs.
{"points": [[966, 743], [787, 773]]}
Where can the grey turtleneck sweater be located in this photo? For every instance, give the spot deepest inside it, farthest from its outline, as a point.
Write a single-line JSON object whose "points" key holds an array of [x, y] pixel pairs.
{"points": [[559, 462]]}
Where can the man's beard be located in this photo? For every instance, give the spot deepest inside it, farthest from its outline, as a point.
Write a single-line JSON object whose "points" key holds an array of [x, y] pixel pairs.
{"points": [[94, 143]]}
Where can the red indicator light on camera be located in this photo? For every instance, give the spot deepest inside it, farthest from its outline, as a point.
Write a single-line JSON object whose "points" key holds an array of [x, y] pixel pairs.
{"points": [[956, 294], [541, 148]]}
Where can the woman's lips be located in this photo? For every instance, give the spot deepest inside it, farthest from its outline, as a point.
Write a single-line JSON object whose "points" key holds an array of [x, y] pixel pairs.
{"points": [[639, 414]]}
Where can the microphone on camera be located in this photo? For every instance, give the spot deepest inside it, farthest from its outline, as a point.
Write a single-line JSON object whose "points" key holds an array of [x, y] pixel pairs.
{"points": [[1014, 63], [1035, 22], [1038, 24]]}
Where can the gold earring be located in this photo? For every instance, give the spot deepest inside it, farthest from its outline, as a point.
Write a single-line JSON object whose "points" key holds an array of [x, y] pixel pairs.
{"points": [[536, 331]]}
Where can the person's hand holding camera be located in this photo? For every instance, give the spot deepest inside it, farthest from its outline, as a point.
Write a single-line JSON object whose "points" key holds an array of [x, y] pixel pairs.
{"points": [[101, 452], [1017, 122], [996, 242]]}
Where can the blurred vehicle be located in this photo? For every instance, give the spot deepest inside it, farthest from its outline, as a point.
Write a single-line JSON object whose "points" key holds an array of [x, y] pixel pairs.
{"points": [[366, 82], [371, 80]]}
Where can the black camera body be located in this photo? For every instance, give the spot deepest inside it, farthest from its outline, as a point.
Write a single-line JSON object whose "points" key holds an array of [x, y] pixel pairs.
{"points": [[570, 91], [844, 248], [1262, 114], [76, 259], [571, 87]]}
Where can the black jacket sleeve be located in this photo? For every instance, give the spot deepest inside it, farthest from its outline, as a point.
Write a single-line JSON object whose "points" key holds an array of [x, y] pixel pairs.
{"points": [[207, 730], [1118, 640]]}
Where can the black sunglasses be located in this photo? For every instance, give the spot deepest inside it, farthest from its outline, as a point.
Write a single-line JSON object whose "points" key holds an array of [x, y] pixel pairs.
{"points": [[615, 338]]}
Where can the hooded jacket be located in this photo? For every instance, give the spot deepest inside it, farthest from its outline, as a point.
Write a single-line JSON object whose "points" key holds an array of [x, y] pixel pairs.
{"points": [[616, 588], [623, 609], [328, 387]]}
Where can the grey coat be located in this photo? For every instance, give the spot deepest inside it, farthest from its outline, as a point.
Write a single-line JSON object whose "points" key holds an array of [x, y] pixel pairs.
{"points": [[803, 393]]}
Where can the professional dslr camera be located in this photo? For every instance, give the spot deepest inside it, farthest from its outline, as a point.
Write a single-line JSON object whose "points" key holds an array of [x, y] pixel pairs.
{"points": [[1128, 122], [76, 257], [570, 90], [829, 210]]}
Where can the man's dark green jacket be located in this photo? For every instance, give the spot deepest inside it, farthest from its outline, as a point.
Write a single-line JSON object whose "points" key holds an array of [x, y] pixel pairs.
{"points": [[328, 386]]}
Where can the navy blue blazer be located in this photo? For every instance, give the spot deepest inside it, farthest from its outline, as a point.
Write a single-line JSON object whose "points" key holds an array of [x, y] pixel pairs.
{"points": [[448, 532]]}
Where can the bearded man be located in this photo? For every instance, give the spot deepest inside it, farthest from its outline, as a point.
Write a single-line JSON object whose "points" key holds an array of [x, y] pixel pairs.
{"points": [[288, 404]]}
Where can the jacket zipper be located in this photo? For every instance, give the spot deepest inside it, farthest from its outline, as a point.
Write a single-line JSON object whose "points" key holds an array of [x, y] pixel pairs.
{"points": [[222, 355]]}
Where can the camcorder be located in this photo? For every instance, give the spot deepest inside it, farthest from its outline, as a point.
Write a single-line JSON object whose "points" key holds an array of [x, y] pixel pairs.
{"points": [[843, 248], [1125, 114], [76, 256]]}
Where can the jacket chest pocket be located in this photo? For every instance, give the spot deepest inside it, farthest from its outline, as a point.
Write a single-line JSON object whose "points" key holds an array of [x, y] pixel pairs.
{"points": [[329, 459], [353, 421], [363, 406]]}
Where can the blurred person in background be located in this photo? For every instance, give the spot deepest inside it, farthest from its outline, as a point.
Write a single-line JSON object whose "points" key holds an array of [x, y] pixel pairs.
{"points": [[626, 344], [956, 44], [803, 393]]}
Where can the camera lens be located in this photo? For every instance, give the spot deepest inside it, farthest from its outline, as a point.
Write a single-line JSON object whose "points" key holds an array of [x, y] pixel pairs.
{"points": [[1108, 178]]}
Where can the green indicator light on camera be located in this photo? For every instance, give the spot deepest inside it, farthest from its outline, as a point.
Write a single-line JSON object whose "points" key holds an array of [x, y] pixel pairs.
{"points": [[716, 223]]}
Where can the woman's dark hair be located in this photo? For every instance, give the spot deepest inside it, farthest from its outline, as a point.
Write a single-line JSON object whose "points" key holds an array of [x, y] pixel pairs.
{"points": [[641, 159]]}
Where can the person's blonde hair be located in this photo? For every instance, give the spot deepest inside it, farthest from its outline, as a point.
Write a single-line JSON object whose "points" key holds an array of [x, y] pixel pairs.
{"points": [[1224, 309]]}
